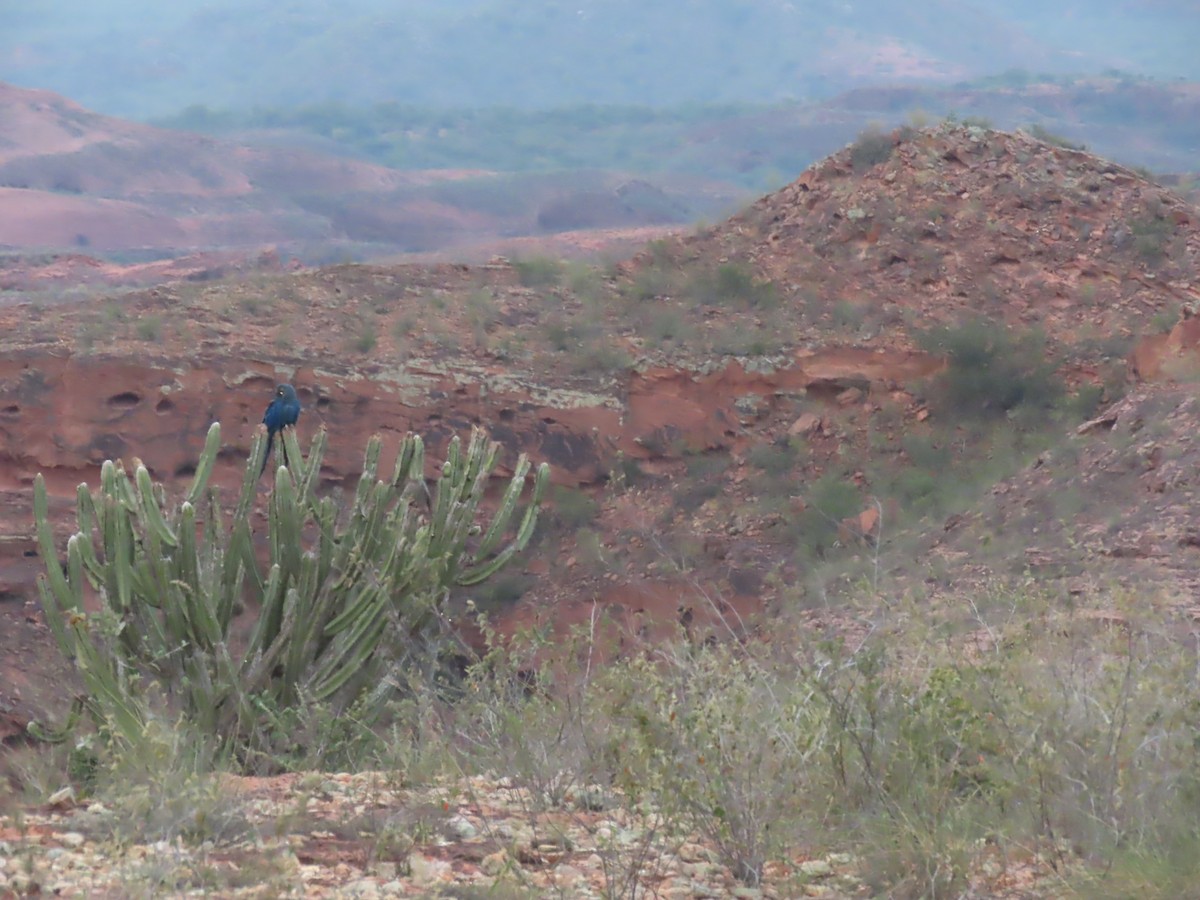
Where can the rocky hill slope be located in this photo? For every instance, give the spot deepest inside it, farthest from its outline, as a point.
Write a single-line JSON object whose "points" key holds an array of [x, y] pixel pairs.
{"points": [[726, 414], [927, 226]]}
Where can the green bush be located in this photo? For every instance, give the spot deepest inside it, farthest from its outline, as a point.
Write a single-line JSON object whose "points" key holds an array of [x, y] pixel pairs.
{"points": [[871, 148], [710, 733], [149, 328], [734, 284], [1152, 236], [775, 459], [538, 271], [573, 508], [990, 371], [827, 501]]}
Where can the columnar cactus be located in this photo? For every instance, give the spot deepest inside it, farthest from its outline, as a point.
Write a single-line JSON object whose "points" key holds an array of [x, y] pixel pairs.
{"points": [[338, 595]]}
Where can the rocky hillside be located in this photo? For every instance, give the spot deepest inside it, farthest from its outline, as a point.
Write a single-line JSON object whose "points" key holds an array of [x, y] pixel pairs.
{"points": [[1110, 509], [728, 414], [930, 225]]}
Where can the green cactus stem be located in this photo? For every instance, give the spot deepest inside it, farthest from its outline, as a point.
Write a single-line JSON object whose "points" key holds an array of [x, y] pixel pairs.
{"points": [[344, 591]]}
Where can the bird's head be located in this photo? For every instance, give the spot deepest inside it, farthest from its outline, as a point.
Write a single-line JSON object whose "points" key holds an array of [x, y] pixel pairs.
{"points": [[285, 392]]}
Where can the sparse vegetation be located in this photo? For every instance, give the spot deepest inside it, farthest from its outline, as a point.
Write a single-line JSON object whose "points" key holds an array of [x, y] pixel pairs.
{"points": [[367, 337], [541, 271], [872, 147], [572, 508], [775, 459], [932, 764], [149, 327], [991, 371], [1152, 235], [903, 750], [1043, 134], [734, 284]]}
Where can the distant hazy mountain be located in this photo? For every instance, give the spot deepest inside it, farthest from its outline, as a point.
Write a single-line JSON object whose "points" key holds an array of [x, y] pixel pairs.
{"points": [[142, 58]]}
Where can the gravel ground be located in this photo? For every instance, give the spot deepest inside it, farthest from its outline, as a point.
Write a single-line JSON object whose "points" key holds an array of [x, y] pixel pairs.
{"points": [[365, 836]]}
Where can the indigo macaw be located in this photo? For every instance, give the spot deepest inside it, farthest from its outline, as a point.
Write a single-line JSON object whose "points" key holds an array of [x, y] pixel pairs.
{"points": [[283, 411]]}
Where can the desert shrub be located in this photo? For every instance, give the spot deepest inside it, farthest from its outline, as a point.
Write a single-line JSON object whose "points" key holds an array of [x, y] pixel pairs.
{"points": [[775, 459], [501, 592], [584, 280], [848, 316], [689, 495], [833, 498], [1151, 237], [1165, 319], [1085, 402], [917, 489], [926, 451], [721, 738], [572, 508], [149, 328], [707, 466], [990, 370], [1056, 140], [872, 147], [734, 284], [163, 789], [936, 761], [827, 501], [589, 347], [541, 271], [599, 357], [1062, 734], [650, 282], [626, 473], [366, 339], [482, 313], [666, 325]]}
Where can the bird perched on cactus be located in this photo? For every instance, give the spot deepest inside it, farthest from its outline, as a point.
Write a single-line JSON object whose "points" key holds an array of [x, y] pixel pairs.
{"points": [[283, 410]]}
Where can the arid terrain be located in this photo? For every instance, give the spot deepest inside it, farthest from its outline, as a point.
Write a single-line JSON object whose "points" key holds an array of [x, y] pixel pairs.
{"points": [[759, 416], [678, 360]]}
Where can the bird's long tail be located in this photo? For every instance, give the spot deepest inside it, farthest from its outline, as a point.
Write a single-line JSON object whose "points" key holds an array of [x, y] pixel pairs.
{"points": [[267, 455]]}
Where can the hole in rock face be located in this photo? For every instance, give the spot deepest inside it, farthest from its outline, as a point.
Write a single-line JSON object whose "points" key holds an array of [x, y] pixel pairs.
{"points": [[186, 470], [323, 402], [165, 405], [11, 411], [125, 400], [507, 415]]}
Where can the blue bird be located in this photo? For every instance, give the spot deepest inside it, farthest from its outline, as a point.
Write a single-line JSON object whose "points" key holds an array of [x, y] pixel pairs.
{"points": [[283, 411]]}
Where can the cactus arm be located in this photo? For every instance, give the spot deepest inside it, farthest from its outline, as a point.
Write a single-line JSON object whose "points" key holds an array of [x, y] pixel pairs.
{"points": [[45, 535], [508, 503], [204, 466]]}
